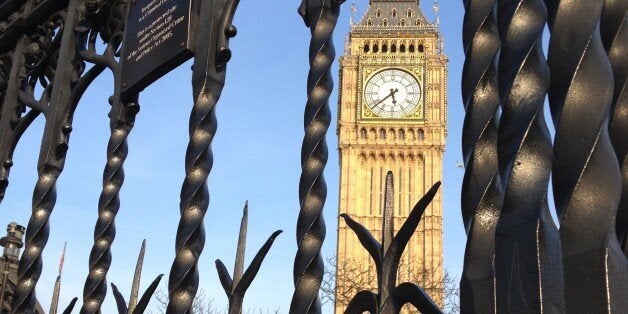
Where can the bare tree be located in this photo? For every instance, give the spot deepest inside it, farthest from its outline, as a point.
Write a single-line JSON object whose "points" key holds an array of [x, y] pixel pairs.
{"points": [[199, 306], [451, 301], [202, 306], [357, 278]]}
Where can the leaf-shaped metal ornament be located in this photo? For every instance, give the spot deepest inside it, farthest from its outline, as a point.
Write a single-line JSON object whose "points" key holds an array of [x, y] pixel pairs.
{"points": [[390, 298], [363, 301], [143, 302], [410, 225], [236, 288], [392, 256], [413, 294], [120, 302], [70, 307], [366, 238], [253, 268], [223, 275]]}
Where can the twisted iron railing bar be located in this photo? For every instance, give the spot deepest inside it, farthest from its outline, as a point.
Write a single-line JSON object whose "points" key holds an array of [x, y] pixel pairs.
{"points": [[51, 162], [586, 178], [121, 121], [527, 245], [614, 30], [321, 17], [481, 189], [208, 79]]}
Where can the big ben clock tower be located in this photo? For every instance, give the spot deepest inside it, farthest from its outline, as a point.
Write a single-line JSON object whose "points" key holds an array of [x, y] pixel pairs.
{"points": [[391, 117]]}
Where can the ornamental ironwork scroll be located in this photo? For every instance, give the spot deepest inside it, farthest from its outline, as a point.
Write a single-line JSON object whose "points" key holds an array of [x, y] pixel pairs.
{"points": [[58, 112], [48, 42]]}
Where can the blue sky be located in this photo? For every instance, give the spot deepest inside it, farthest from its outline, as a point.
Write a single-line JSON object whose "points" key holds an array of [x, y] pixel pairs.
{"points": [[257, 158]]}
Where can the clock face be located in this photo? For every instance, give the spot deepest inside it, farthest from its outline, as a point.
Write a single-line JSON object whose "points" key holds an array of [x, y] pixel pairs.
{"points": [[392, 93]]}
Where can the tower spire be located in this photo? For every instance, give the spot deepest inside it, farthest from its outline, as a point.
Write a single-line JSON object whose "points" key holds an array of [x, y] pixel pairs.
{"points": [[54, 304]]}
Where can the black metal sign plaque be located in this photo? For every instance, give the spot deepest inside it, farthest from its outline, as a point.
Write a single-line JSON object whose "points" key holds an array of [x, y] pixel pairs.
{"points": [[157, 40]]}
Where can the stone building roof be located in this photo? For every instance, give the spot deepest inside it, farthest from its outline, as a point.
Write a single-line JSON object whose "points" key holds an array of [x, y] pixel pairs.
{"points": [[11, 282], [394, 14]]}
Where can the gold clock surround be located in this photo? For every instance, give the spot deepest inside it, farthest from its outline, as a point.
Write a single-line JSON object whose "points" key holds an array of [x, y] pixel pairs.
{"points": [[366, 114]]}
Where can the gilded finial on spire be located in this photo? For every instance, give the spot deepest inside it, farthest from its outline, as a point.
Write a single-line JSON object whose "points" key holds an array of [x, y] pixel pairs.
{"points": [[436, 8], [354, 9]]}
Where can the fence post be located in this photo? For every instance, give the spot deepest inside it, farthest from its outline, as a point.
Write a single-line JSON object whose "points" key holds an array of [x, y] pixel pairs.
{"points": [[208, 79], [481, 199], [586, 177], [53, 151], [320, 17]]}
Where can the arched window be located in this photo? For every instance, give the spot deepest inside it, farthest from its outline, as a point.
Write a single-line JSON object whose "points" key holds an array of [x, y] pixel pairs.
{"points": [[393, 48], [375, 48], [378, 13], [384, 48], [401, 135], [402, 23], [363, 133], [382, 134], [402, 48], [411, 48], [366, 48], [420, 135], [418, 22], [421, 48], [385, 23], [369, 22], [394, 13], [409, 13]]}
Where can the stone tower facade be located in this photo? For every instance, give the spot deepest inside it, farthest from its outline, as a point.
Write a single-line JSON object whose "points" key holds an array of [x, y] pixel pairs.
{"points": [[392, 115]]}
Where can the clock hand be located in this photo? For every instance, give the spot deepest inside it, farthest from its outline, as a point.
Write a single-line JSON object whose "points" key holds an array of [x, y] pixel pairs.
{"points": [[379, 102], [392, 93]]}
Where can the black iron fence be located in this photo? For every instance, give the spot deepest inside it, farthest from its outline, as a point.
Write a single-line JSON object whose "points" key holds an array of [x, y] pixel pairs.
{"points": [[517, 259]]}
